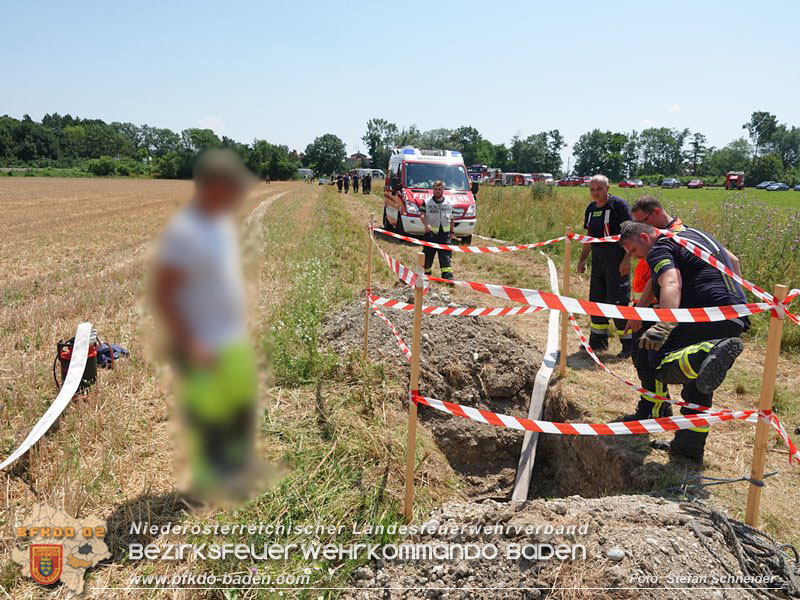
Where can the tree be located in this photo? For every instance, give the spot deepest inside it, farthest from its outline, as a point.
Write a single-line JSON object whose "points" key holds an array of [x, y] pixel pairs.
{"points": [[785, 143], [698, 151], [326, 154], [662, 150], [553, 160], [761, 127], [733, 157], [630, 154], [467, 140], [767, 168], [380, 139], [196, 140], [601, 152]]}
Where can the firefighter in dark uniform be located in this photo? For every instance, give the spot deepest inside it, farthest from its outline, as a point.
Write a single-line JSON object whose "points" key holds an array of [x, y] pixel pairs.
{"points": [[339, 182], [355, 182], [694, 355], [367, 183], [648, 209], [346, 182], [611, 266], [436, 214]]}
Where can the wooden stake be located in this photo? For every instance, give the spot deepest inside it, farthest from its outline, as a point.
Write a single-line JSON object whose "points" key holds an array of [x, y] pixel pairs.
{"points": [[765, 403], [411, 448], [369, 283], [562, 360]]}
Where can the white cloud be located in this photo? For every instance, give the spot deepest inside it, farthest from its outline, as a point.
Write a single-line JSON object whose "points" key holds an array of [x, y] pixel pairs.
{"points": [[216, 124], [674, 108]]}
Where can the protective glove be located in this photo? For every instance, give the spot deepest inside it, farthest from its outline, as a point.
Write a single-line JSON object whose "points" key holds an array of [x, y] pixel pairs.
{"points": [[654, 338]]}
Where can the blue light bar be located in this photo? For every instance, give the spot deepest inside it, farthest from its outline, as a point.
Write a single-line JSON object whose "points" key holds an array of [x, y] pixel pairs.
{"points": [[455, 153], [408, 151]]}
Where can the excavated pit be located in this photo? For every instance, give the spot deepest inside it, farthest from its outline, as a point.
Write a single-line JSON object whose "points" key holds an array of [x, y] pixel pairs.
{"points": [[481, 362]]}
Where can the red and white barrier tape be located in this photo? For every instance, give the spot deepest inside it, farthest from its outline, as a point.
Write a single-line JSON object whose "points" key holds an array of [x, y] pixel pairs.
{"points": [[659, 425], [469, 249], [614, 311], [577, 237], [457, 311], [405, 274], [403, 347], [585, 239], [711, 260]]}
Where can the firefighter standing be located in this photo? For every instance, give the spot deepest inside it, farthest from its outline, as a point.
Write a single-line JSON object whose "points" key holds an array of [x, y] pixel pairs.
{"points": [[346, 182], [355, 183], [367, 183], [694, 355], [648, 209], [610, 278], [339, 182], [436, 214]]}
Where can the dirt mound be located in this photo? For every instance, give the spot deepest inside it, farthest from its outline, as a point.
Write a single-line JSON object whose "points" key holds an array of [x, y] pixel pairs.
{"points": [[473, 361], [641, 543]]}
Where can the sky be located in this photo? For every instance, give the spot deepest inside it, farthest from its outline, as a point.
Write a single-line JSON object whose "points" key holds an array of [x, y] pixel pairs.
{"points": [[293, 71]]}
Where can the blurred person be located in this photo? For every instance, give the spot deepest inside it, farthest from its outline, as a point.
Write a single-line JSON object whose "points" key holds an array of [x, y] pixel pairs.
{"points": [[339, 182], [355, 183], [611, 266], [346, 182], [436, 214], [698, 355], [199, 293], [367, 183]]}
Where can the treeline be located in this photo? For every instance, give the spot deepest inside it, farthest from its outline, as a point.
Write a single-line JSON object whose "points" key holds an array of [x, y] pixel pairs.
{"points": [[771, 150], [104, 149], [540, 152]]}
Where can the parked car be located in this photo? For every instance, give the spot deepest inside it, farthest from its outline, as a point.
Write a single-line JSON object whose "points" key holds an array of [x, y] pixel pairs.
{"points": [[670, 182], [638, 182], [627, 183], [765, 184], [586, 180], [778, 187], [569, 181], [797, 188], [695, 184]]}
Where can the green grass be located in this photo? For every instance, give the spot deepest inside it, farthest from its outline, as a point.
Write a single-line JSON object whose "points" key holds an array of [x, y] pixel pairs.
{"points": [[762, 228]]}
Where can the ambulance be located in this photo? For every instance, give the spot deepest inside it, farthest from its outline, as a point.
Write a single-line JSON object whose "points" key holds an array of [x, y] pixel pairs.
{"points": [[411, 175]]}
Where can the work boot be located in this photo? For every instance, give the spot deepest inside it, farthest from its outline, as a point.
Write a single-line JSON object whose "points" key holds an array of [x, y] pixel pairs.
{"points": [[649, 409], [627, 349], [448, 275], [716, 365], [598, 342], [686, 443]]}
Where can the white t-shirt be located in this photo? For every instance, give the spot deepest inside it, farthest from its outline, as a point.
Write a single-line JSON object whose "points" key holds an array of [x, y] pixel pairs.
{"points": [[211, 298]]}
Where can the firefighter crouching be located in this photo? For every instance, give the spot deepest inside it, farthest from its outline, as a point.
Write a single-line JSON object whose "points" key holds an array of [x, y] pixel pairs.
{"points": [[610, 278], [436, 214], [694, 355], [648, 209]]}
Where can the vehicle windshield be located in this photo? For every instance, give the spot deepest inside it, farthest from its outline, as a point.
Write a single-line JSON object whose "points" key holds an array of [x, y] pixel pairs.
{"points": [[423, 175]]}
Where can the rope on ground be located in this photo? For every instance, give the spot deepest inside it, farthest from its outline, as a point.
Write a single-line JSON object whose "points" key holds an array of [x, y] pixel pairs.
{"points": [[759, 555], [693, 482]]}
